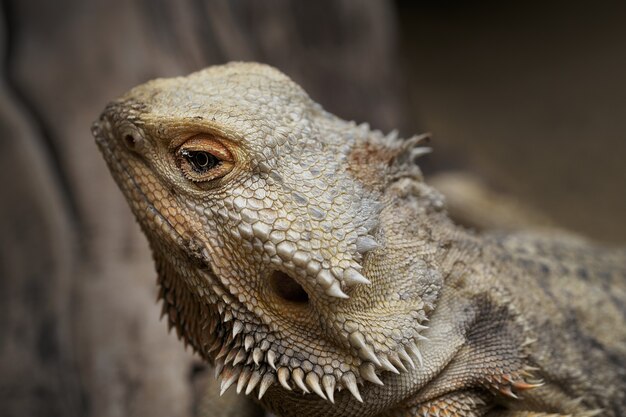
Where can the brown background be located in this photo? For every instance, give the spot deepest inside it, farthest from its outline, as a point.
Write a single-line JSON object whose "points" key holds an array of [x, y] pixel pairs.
{"points": [[530, 97]]}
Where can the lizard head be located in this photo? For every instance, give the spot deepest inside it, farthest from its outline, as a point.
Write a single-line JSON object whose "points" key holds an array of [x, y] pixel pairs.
{"points": [[281, 253]]}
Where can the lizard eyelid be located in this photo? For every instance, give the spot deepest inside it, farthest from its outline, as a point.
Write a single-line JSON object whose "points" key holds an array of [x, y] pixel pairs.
{"points": [[204, 158]]}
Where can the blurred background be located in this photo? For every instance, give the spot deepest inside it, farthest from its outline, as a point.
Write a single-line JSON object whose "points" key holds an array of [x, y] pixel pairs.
{"points": [[527, 100]]}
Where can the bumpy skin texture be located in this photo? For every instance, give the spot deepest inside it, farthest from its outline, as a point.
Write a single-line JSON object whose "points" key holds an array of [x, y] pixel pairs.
{"points": [[306, 259]]}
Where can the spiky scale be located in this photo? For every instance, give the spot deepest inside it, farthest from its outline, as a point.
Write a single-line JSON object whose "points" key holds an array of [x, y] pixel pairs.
{"points": [[368, 373], [349, 381], [271, 358], [257, 355], [329, 383], [283, 377], [335, 291], [248, 342], [412, 347], [405, 357], [266, 382], [366, 244], [244, 377], [254, 380], [395, 361], [237, 328], [228, 378], [313, 381], [386, 365], [352, 277], [298, 377]]}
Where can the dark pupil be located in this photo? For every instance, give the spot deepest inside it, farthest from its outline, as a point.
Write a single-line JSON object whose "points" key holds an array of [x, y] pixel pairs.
{"points": [[202, 161]]}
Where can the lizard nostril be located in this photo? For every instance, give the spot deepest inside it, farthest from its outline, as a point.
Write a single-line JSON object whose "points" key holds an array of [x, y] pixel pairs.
{"points": [[287, 288], [133, 142]]}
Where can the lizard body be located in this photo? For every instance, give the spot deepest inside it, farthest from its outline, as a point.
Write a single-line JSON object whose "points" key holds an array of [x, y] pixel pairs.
{"points": [[306, 259]]}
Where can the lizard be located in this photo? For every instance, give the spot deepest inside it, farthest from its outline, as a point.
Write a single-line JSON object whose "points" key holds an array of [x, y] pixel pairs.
{"points": [[305, 258]]}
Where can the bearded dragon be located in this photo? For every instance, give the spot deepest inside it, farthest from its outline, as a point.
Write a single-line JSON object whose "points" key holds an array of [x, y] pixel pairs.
{"points": [[306, 259]]}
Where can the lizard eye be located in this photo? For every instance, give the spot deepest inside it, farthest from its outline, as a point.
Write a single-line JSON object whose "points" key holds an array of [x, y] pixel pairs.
{"points": [[204, 158], [200, 161]]}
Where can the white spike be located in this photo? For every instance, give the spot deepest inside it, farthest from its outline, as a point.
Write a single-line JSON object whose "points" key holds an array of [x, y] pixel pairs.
{"points": [[335, 291], [237, 328], [415, 352], [349, 381], [365, 244], [223, 351], [248, 341], [241, 355], [387, 366], [231, 355], [352, 277], [257, 355], [283, 377], [219, 366], [229, 380], [271, 358], [325, 278], [395, 361], [216, 344], [228, 316], [367, 353], [297, 375], [254, 380], [405, 357], [369, 374], [313, 381], [393, 135], [266, 382], [421, 151], [357, 339], [328, 382], [243, 379]]}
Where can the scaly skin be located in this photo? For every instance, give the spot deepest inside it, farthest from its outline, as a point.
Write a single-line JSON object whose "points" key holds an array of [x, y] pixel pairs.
{"points": [[306, 259]]}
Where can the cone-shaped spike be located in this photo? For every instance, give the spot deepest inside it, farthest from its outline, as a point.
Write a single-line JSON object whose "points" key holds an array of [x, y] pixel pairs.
{"points": [[325, 278], [266, 382], [387, 366], [369, 374], [335, 291], [405, 357], [229, 379], [237, 328], [313, 381], [395, 361], [412, 347], [241, 356], [349, 381], [298, 378], [271, 358], [328, 382], [283, 377], [257, 355], [365, 244], [367, 353], [243, 378], [254, 380], [351, 277], [248, 341]]}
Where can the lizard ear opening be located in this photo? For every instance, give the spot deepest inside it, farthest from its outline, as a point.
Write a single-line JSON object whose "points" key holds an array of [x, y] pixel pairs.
{"points": [[287, 288]]}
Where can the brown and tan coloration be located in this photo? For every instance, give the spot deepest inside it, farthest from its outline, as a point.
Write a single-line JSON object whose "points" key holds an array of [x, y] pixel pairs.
{"points": [[305, 257]]}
